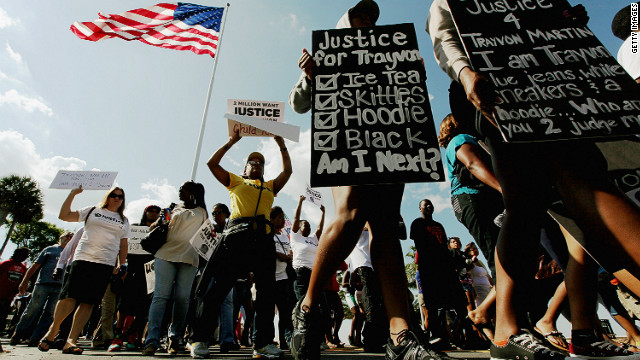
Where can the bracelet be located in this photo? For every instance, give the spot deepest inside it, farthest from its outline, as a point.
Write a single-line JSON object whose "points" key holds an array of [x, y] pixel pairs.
{"points": [[283, 149]]}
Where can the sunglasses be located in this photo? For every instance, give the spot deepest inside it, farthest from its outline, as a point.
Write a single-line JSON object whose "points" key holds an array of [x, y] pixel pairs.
{"points": [[252, 162], [116, 196], [215, 213]]}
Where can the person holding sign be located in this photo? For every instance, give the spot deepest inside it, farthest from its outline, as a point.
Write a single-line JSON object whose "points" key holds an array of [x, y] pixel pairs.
{"points": [[355, 205], [530, 174], [247, 246], [305, 247], [103, 245], [176, 265]]}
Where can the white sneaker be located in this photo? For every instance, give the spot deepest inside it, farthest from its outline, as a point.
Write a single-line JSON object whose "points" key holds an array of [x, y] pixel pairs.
{"points": [[198, 350], [268, 352]]}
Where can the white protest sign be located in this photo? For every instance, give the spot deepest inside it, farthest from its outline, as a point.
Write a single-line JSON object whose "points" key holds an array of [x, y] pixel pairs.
{"points": [[150, 275], [287, 131], [136, 234], [90, 180], [313, 196], [265, 110], [205, 240]]}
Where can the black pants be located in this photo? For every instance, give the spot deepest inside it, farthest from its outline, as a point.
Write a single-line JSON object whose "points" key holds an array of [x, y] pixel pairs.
{"points": [[250, 251], [301, 285], [376, 327], [477, 212], [285, 306]]}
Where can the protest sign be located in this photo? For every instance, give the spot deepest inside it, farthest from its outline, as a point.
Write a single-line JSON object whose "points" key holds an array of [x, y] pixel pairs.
{"points": [[90, 180], [265, 110], [371, 117], [205, 240], [314, 196], [136, 234], [287, 131], [150, 276], [553, 80]]}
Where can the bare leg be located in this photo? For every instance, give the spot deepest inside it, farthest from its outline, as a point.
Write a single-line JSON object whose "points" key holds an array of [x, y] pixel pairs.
{"points": [[80, 319], [64, 307], [548, 322]]}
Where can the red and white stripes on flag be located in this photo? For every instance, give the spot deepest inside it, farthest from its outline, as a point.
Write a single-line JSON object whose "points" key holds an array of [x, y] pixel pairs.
{"points": [[180, 26]]}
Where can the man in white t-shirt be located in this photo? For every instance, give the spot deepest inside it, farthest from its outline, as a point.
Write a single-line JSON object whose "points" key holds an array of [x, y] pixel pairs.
{"points": [[628, 55], [304, 247]]}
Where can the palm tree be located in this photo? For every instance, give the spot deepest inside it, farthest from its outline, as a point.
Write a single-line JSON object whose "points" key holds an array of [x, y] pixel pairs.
{"points": [[21, 198]]}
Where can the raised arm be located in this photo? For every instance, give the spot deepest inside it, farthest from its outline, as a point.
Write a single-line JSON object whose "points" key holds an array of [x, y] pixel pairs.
{"points": [[300, 95], [281, 180], [470, 157], [321, 225], [214, 161], [295, 227], [65, 211]]}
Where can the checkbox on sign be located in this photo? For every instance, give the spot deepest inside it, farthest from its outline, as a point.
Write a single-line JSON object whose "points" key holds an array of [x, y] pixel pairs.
{"points": [[327, 82], [325, 120], [326, 101], [325, 140]]}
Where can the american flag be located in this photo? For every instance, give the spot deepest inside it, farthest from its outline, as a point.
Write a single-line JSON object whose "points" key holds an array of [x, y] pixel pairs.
{"points": [[287, 226], [179, 26]]}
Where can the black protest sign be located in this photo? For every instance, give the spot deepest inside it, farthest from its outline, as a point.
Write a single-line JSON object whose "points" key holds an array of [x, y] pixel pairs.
{"points": [[372, 121], [554, 81]]}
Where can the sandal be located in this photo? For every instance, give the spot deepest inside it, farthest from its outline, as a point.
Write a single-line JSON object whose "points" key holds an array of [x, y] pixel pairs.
{"points": [[48, 343], [74, 350], [554, 338], [481, 329]]}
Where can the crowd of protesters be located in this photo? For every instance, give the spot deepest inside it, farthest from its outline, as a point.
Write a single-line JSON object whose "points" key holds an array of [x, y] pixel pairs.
{"points": [[510, 197]]}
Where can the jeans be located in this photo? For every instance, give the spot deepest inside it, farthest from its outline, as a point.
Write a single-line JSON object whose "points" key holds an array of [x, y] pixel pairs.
{"points": [[301, 284], [166, 273], [376, 328], [226, 319], [285, 306], [40, 308]]}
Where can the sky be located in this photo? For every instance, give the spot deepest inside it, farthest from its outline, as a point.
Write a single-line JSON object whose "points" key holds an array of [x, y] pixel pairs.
{"points": [[72, 104]]}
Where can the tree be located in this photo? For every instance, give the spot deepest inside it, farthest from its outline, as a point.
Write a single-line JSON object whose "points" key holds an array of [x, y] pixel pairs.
{"points": [[36, 236], [21, 198], [411, 268]]}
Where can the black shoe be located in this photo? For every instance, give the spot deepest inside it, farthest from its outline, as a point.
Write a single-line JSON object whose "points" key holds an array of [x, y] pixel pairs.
{"points": [[150, 349], [524, 346], [14, 341], [306, 338], [410, 347], [226, 347]]}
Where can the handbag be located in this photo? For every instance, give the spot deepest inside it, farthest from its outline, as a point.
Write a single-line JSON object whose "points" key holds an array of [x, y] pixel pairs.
{"points": [[155, 239]]}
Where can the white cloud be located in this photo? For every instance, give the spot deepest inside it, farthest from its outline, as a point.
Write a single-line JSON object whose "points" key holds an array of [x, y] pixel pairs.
{"points": [[14, 55], [291, 22], [156, 192], [19, 156], [6, 20], [438, 193], [13, 97], [300, 154]]}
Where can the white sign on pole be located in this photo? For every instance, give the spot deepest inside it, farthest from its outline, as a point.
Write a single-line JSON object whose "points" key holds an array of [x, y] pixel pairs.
{"points": [[205, 240], [150, 275], [314, 196], [136, 234], [287, 131], [265, 110], [90, 180]]}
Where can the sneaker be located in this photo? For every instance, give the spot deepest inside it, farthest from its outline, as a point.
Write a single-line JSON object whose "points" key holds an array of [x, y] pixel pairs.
{"points": [[130, 346], [198, 350], [116, 345], [307, 337], [411, 348], [150, 349], [602, 350], [14, 341], [268, 352], [524, 346]]}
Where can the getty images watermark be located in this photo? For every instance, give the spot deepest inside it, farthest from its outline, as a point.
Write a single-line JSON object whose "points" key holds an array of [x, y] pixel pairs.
{"points": [[634, 27]]}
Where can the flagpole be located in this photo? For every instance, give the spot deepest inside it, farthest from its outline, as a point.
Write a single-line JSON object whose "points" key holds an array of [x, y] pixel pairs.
{"points": [[206, 105]]}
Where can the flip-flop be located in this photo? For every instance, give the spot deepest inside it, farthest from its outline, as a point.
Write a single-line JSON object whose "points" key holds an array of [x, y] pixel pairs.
{"points": [[74, 350], [554, 338], [48, 343], [481, 328]]}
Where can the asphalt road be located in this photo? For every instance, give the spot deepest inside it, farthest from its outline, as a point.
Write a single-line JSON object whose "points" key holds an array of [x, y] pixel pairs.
{"points": [[349, 353]]}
